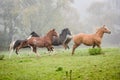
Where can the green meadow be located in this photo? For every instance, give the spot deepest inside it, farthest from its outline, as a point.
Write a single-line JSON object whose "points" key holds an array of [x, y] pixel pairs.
{"points": [[60, 65]]}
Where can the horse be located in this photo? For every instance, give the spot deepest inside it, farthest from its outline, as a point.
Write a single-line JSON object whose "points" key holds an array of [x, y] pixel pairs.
{"points": [[61, 39], [45, 41], [90, 39], [57, 41], [13, 45]]}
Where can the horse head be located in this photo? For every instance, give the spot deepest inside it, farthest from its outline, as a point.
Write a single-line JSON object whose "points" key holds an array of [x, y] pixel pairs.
{"points": [[105, 29], [67, 31], [53, 33]]}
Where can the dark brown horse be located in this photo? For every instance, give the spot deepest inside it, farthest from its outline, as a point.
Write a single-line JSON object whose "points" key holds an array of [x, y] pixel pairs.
{"points": [[90, 39], [40, 42]]}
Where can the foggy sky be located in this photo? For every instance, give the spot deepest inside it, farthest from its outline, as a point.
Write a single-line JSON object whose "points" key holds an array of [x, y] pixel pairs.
{"points": [[83, 5]]}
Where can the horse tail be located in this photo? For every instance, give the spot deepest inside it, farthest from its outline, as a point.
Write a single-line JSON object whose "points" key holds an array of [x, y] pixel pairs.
{"points": [[11, 48]]}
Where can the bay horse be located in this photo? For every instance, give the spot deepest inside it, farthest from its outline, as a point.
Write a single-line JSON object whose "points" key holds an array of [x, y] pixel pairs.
{"points": [[90, 39], [45, 41], [13, 45]]}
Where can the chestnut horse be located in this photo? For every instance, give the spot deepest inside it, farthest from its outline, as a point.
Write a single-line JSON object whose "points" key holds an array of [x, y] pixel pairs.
{"points": [[40, 42], [90, 39]]}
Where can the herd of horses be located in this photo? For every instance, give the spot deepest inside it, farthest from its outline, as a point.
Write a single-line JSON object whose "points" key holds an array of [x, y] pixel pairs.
{"points": [[52, 38]]}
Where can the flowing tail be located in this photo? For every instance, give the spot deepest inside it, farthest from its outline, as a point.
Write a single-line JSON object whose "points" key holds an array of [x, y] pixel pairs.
{"points": [[11, 48]]}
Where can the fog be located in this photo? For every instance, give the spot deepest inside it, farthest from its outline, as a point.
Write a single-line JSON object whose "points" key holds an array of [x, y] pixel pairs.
{"points": [[18, 18], [95, 13]]}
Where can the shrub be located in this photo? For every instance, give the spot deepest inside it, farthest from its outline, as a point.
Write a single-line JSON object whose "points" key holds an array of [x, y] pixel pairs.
{"points": [[95, 51], [59, 69], [1, 57]]}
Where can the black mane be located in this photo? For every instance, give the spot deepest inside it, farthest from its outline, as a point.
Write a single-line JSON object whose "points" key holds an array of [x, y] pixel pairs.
{"points": [[34, 34], [62, 37]]}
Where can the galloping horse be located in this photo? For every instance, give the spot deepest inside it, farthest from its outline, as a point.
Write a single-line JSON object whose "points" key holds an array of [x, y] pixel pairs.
{"points": [[13, 45], [61, 39], [90, 39], [40, 42], [63, 36]]}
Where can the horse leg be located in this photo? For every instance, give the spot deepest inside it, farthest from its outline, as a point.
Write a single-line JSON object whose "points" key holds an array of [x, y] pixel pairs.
{"points": [[64, 46], [50, 49], [99, 46], [94, 45], [68, 47], [16, 50], [35, 51], [74, 47]]}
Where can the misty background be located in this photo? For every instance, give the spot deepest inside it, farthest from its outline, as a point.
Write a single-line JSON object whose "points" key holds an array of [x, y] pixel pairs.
{"points": [[18, 18]]}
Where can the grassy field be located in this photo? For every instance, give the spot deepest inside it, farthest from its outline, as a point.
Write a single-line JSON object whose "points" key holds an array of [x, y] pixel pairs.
{"points": [[61, 65]]}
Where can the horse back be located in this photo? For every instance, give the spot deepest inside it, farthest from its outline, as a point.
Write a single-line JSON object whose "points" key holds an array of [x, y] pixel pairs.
{"points": [[39, 41], [83, 38]]}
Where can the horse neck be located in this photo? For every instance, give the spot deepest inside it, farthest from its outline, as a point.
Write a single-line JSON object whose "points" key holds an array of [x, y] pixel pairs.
{"points": [[100, 33], [49, 36], [63, 36]]}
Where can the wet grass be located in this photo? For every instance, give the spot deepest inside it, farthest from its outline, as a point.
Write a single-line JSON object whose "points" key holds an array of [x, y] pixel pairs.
{"points": [[61, 65]]}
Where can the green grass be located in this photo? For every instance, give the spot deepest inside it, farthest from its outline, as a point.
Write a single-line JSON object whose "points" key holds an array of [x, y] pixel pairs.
{"points": [[58, 66]]}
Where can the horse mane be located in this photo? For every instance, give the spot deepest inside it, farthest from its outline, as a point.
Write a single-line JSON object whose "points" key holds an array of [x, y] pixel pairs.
{"points": [[34, 34], [62, 31], [50, 31], [98, 30]]}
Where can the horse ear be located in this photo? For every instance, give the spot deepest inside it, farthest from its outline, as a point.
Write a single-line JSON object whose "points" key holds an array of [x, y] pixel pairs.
{"points": [[53, 30], [103, 25]]}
